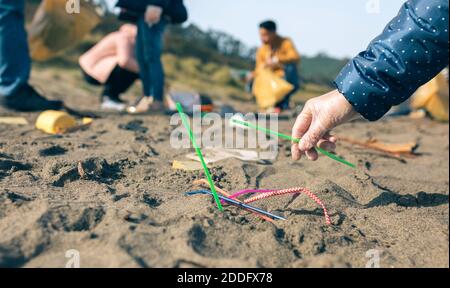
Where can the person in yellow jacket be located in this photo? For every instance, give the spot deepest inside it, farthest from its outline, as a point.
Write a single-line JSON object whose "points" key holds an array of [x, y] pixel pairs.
{"points": [[280, 55]]}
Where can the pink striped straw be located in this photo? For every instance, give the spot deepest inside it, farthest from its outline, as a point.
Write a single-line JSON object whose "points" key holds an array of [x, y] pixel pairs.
{"points": [[243, 192], [264, 194]]}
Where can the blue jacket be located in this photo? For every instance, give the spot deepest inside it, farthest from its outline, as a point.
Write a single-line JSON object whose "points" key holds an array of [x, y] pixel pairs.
{"points": [[174, 9], [412, 49]]}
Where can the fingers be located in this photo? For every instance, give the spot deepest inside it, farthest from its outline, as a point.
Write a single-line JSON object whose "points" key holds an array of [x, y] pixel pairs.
{"points": [[327, 145], [312, 154], [320, 115], [302, 124], [300, 127], [329, 137], [312, 137], [328, 142], [296, 154]]}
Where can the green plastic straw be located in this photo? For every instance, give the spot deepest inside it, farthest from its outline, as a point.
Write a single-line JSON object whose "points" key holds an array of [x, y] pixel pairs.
{"points": [[200, 155], [287, 137]]}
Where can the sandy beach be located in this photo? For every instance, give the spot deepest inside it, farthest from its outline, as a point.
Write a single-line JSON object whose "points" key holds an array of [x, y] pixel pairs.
{"points": [[130, 210]]}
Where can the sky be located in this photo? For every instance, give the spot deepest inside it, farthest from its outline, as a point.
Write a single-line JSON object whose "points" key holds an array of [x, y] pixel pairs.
{"points": [[339, 28]]}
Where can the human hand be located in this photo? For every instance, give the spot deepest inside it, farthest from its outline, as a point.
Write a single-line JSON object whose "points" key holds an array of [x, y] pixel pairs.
{"points": [[250, 77], [272, 63], [319, 116], [153, 14]]}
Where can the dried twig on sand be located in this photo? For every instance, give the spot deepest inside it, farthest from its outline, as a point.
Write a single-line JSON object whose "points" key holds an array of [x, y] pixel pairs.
{"points": [[204, 183], [81, 171], [396, 150]]}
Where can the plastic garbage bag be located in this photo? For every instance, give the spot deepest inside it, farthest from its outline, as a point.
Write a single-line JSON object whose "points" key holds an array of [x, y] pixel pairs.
{"points": [[434, 98], [269, 89], [54, 29]]}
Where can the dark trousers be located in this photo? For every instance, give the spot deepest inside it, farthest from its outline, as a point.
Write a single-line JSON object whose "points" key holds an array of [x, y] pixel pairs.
{"points": [[291, 76], [15, 61], [119, 81], [148, 51]]}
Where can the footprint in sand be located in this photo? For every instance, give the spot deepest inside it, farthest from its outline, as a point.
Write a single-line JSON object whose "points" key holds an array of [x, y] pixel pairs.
{"points": [[59, 173], [52, 151], [254, 174], [70, 219], [8, 166]]}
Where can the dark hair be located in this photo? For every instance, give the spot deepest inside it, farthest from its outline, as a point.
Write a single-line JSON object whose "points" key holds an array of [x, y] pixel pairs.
{"points": [[269, 26]]}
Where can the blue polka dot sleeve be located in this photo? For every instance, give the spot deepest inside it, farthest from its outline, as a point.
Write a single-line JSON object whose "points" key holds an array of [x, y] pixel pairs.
{"points": [[412, 49]]}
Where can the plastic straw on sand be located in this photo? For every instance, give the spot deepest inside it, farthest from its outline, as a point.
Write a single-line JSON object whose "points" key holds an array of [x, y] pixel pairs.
{"points": [[200, 155], [287, 137]]}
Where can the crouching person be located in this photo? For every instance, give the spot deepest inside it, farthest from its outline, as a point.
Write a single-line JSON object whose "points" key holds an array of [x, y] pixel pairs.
{"points": [[279, 55], [112, 64]]}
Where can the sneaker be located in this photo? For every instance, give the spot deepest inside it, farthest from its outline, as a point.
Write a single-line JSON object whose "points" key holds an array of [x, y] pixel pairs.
{"points": [[109, 104], [27, 99], [145, 105]]}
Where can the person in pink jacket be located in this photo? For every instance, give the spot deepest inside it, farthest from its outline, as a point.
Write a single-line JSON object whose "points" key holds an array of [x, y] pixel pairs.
{"points": [[112, 64]]}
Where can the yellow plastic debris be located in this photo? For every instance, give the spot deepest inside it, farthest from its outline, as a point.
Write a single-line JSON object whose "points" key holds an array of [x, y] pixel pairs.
{"points": [[87, 121], [187, 165], [55, 122], [434, 98], [269, 89], [13, 120]]}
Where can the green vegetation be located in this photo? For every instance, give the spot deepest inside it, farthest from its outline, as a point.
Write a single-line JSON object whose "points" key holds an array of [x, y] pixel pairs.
{"points": [[321, 69]]}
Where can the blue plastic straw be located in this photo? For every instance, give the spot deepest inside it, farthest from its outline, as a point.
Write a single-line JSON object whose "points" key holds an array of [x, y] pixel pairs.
{"points": [[237, 203]]}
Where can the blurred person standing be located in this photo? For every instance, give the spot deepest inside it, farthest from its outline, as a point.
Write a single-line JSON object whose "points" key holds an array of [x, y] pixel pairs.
{"points": [[152, 17], [15, 64]]}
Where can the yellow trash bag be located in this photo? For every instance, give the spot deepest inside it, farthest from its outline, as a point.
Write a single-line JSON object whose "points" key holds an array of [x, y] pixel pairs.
{"points": [[53, 29], [434, 98], [269, 89]]}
